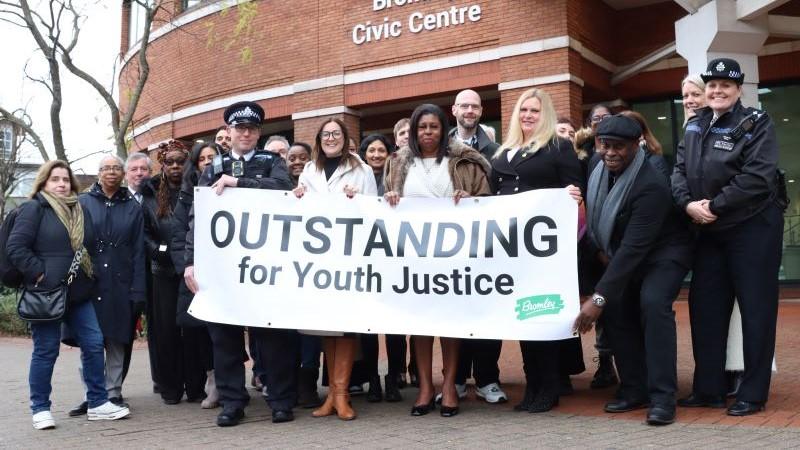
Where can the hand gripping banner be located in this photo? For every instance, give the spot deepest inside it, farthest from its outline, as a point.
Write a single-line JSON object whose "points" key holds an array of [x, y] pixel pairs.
{"points": [[491, 267]]}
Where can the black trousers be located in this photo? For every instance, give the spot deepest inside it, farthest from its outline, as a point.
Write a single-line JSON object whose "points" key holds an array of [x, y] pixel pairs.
{"points": [[477, 358], [166, 350], [278, 351], [198, 359], [540, 363], [570, 357], [395, 354], [641, 328], [741, 263]]}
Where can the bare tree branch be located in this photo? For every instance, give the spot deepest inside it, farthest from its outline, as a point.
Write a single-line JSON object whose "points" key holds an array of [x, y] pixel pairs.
{"points": [[24, 123]]}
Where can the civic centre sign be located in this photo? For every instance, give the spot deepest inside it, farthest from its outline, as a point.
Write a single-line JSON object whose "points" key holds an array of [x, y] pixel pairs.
{"points": [[416, 22]]}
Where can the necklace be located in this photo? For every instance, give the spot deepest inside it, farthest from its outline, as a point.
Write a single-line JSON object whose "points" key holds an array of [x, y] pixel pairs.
{"points": [[428, 167]]}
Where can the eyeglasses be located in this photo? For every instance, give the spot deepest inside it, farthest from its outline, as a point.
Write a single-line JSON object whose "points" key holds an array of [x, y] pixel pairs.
{"points": [[599, 118], [468, 106], [331, 134], [242, 127], [111, 169], [175, 162]]}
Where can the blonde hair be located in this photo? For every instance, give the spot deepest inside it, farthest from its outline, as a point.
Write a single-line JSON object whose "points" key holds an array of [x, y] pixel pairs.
{"points": [[44, 174], [695, 80], [545, 130]]}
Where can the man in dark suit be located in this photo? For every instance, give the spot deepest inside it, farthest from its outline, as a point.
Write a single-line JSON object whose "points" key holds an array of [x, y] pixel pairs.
{"points": [[638, 234]]}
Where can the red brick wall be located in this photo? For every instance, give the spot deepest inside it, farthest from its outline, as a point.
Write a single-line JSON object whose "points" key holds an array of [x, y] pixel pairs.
{"points": [[297, 41]]}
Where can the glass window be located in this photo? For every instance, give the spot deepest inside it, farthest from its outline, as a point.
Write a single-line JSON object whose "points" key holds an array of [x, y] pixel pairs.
{"points": [[186, 4], [661, 117], [6, 142], [781, 104], [136, 23]]}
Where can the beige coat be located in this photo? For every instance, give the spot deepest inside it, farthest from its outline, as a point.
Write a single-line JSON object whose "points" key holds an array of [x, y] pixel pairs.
{"points": [[468, 169]]}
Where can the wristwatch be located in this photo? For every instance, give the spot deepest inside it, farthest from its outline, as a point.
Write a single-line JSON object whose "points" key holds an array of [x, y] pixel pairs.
{"points": [[598, 300]]}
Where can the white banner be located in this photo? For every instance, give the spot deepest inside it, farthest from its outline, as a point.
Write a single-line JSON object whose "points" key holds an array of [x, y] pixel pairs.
{"points": [[492, 267]]}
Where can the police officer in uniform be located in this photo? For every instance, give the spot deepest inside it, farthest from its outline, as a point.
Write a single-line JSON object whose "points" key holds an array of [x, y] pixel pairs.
{"points": [[726, 180], [246, 167]]}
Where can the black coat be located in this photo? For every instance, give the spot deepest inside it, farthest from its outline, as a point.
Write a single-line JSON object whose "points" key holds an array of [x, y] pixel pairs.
{"points": [[648, 229], [738, 176], [158, 231], [484, 145], [553, 166], [177, 248], [120, 265], [39, 244]]}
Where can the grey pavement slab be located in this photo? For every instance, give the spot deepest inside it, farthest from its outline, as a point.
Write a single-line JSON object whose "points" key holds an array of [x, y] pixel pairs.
{"points": [[383, 425]]}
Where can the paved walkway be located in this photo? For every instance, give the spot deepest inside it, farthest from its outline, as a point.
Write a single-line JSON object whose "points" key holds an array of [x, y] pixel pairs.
{"points": [[577, 423]]}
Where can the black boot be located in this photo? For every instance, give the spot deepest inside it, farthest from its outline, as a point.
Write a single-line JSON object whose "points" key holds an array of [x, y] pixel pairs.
{"points": [[375, 394], [392, 389], [307, 396], [734, 379], [544, 400], [605, 376], [527, 399]]}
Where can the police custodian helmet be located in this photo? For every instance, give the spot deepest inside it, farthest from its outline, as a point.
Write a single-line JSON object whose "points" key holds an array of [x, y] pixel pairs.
{"points": [[723, 68], [244, 112]]}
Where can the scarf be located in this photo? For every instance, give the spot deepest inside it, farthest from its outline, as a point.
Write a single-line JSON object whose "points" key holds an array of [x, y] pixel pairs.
{"points": [[70, 213], [603, 204]]}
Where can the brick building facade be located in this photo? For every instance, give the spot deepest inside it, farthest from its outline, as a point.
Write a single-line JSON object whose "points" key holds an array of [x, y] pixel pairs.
{"points": [[304, 61]]}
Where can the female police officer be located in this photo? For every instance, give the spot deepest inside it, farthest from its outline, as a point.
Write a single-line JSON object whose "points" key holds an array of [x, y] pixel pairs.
{"points": [[726, 181]]}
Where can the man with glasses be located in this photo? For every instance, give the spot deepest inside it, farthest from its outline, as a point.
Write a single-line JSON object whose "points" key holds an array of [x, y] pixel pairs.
{"points": [[246, 167], [477, 357], [467, 111]]}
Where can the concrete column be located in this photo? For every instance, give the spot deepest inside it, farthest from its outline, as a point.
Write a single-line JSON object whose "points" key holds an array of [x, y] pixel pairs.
{"points": [[714, 31]]}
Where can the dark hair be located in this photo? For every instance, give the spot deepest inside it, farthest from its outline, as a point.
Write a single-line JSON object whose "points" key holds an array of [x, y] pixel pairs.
{"points": [[595, 108], [566, 120], [318, 156], [423, 110], [305, 146], [190, 173], [362, 151], [224, 127]]}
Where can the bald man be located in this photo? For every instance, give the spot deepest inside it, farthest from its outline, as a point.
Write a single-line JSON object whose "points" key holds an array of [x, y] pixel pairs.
{"points": [[467, 110]]}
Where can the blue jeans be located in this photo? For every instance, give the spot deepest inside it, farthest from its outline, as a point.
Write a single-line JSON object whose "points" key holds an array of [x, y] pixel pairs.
{"points": [[82, 321]]}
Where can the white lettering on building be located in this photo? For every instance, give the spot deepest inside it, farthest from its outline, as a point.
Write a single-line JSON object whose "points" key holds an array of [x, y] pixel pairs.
{"points": [[417, 22]]}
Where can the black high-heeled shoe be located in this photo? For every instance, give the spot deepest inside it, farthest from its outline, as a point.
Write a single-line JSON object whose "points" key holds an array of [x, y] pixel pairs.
{"points": [[421, 410], [448, 411]]}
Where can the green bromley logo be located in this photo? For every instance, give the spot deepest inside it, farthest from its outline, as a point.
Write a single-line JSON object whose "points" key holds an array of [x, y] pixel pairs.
{"points": [[538, 305]]}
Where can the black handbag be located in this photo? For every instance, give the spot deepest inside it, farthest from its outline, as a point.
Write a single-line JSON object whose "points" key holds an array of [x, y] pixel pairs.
{"points": [[48, 305]]}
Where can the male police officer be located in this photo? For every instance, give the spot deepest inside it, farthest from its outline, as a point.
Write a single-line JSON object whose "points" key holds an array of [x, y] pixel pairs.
{"points": [[246, 167], [643, 241]]}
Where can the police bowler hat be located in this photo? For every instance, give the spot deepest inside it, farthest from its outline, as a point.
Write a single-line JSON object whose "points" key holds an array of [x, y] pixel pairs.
{"points": [[723, 68], [620, 128], [244, 112]]}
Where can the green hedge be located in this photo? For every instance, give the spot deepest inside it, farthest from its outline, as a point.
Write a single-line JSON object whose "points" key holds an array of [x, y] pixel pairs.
{"points": [[10, 323]]}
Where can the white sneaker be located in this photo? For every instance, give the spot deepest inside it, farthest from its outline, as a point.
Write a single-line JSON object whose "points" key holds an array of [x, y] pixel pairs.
{"points": [[492, 393], [43, 420], [461, 390], [108, 411]]}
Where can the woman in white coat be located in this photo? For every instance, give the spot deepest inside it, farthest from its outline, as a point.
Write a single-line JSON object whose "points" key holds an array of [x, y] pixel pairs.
{"points": [[333, 169]]}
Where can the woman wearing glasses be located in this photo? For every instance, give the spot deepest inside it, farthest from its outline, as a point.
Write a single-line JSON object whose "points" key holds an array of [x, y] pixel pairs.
{"points": [[334, 169], [160, 196], [119, 241]]}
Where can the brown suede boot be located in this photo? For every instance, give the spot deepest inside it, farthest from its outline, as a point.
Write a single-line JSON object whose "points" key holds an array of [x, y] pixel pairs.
{"points": [[329, 347], [345, 354]]}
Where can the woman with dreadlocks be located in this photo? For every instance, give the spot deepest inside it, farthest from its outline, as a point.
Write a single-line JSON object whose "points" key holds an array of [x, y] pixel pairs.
{"points": [[160, 194]]}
